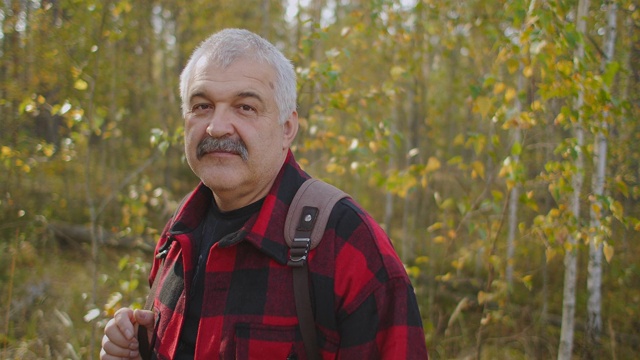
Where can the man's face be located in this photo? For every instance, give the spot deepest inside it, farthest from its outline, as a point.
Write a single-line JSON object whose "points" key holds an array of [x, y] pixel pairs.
{"points": [[233, 140]]}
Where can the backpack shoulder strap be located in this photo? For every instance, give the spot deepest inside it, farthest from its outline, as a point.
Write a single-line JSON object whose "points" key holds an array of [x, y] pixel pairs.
{"points": [[313, 194], [304, 227]]}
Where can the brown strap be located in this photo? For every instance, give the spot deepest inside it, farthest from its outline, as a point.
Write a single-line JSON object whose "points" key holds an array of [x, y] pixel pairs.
{"points": [[311, 207], [302, 296], [318, 194], [305, 315]]}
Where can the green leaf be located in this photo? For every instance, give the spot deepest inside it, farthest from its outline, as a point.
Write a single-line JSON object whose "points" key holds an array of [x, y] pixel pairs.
{"points": [[610, 72], [516, 149]]}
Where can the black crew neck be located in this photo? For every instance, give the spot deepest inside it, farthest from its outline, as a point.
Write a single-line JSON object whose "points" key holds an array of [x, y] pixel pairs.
{"points": [[237, 213]]}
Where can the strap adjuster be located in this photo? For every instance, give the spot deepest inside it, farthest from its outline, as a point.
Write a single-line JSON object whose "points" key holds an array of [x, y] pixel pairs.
{"points": [[299, 252]]}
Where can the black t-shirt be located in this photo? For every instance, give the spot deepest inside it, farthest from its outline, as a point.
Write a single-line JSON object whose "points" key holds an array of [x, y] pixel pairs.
{"points": [[215, 226]]}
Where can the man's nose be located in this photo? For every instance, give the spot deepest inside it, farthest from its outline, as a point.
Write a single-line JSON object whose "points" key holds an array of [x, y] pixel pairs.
{"points": [[221, 123]]}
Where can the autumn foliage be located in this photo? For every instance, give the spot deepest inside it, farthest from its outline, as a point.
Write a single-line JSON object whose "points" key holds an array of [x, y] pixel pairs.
{"points": [[452, 122]]}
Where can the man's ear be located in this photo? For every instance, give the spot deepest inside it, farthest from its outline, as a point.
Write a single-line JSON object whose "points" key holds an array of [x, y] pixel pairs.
{"points": [[290, 129]]}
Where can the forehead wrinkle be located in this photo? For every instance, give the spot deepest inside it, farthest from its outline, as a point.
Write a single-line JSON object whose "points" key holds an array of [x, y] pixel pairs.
{"points": [[195, 94], [250, 94]]}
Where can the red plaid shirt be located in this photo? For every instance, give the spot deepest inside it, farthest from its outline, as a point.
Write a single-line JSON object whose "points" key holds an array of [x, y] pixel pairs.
{"points": [[363, 302]]}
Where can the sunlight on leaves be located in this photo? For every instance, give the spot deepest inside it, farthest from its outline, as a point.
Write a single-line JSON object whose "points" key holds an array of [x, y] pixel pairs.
{"points": [[80, 85], [608, 251], [91, 315]]}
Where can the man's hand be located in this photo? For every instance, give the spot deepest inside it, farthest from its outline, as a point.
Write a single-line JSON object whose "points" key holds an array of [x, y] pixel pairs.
{"points": [[120, 340]]}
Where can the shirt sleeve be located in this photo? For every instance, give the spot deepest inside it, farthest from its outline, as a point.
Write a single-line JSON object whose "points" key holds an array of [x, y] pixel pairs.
{"points": [[386, 325], [377, 314]]}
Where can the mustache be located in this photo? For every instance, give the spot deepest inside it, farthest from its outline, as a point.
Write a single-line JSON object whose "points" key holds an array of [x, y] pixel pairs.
{"points": [[210, 144]]}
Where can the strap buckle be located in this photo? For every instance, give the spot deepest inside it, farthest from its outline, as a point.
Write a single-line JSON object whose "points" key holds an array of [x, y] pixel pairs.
{"points": [[299, 252]]}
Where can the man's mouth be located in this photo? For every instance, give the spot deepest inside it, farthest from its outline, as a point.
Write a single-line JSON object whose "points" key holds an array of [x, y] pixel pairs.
{"points": [[224, 145]]}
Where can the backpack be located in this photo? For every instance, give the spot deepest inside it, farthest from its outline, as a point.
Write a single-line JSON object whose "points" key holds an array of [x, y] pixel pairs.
{"points": [[303, 230]]}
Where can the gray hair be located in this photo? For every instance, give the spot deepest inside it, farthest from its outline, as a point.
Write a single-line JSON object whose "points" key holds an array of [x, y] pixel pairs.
{"points": [[229, 45]]}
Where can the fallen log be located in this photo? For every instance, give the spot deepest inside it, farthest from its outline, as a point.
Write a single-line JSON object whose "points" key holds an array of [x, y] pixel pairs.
{"points": [[73, 235]]}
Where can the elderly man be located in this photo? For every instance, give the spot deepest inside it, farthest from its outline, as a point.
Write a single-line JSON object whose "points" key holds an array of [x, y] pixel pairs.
{"points": [[225, 288]]}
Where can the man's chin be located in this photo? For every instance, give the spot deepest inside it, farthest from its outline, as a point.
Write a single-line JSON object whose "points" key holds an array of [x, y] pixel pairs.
{"points": [[220, 182]]}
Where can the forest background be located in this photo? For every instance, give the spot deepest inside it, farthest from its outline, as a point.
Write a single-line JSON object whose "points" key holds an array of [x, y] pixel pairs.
{"points": [[497, 142]]}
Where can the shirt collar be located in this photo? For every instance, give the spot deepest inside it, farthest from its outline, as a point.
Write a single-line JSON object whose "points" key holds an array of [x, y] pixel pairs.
{"points": [[265, 230]]}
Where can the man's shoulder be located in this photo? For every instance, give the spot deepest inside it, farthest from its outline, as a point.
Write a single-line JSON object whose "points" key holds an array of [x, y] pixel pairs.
{"points": [[354, 228], [348, 217]]}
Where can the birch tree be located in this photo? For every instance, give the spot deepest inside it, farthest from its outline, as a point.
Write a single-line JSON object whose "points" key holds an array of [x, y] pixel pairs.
{"points": [[516, 134], [596, 241], [571, 251]]}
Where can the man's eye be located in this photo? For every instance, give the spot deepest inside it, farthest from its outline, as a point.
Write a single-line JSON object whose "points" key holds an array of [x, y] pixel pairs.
{"points": [[247, 108], [200, 108]]}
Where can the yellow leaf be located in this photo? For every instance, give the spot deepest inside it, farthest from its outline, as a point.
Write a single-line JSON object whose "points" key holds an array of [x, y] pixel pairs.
{"points": [[445, 277], [499, 88], [48, 151], [373, 146], [549, 253], [458, 264], [622, 187], [458, 140], [478, 168], [506, 169], [434, 227], [397, 71], [512, 65], [528, 71], [483, 105], [595, 208], [80, 85], [332, 168], [483, 297], [608, 251], [413, 271], [510, 94], [433, 164], [617, 209], [536, 105]]}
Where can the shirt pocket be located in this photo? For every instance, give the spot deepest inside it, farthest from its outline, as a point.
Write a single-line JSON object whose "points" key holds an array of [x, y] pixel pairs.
{"points": [[258, 341]]}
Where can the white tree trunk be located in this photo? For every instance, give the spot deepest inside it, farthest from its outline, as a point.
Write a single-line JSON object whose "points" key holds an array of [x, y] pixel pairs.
{"points": [[515, 192], [571, 255], [594, 280], [571, 259]]}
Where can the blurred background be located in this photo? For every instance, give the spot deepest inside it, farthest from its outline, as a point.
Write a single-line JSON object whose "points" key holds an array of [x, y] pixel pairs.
{"points": [[496, 142]]}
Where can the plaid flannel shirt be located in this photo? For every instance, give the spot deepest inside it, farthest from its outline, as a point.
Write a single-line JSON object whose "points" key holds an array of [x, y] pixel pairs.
{"points": [[363, 301]]}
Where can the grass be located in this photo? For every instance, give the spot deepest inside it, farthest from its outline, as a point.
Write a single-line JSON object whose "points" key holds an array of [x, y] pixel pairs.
{"points": [[47, 294]]}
